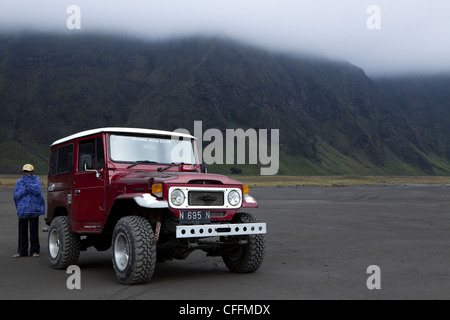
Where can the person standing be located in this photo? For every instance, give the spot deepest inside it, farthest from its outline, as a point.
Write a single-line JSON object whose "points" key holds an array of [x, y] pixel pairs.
{"points": [[30, 205]]}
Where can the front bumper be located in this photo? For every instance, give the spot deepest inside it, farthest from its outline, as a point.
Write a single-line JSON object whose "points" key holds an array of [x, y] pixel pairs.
{"points": [[214, 230]]}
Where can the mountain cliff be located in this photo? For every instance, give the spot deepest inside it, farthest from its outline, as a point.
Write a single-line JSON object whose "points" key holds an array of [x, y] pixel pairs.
{"points": [[332, 118]]}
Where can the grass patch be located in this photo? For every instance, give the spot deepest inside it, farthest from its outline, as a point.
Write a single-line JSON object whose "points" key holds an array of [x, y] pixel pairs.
{"points": [[8, 181], [339, 181]]}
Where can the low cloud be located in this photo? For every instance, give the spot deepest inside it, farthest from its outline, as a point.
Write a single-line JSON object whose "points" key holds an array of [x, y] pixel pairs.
{"points": [[413, 34]]}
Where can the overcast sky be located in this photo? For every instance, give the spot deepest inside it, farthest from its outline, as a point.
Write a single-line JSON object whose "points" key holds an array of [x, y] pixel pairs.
{"points": [[380, 36]]}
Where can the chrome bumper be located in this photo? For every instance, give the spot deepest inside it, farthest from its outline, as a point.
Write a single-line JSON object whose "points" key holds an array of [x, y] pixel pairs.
{"points": [[214, 230]]}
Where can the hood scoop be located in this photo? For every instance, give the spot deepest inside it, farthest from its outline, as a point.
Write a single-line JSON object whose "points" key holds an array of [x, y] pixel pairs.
{"points": [[205, 182]]}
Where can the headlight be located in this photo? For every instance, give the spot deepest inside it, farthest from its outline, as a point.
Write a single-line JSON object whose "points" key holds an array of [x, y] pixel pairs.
{"points": [[177, 197], [234, 198]]}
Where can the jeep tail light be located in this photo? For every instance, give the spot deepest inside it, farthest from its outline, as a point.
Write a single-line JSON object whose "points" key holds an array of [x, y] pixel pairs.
{"points": [[157, 190]]}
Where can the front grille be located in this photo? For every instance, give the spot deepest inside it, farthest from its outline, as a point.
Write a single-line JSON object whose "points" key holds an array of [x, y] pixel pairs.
{"points": [[205, 198]]}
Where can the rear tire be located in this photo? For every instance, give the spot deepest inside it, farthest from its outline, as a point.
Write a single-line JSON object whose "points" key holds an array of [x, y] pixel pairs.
{"points": [[134, 250], [63, 245], [247, 258]]}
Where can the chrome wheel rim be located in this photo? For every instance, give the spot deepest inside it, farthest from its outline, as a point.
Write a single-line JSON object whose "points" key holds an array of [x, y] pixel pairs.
{"points": [[121, 251], [54, 243]]}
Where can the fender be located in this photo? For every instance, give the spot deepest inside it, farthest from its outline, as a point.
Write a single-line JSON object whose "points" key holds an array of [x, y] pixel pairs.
{"points": [[145, 200], [249, 202]]}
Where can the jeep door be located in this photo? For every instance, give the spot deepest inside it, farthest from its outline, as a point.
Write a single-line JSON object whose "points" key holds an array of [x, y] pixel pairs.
{"points": [[60, 181], [89, 205]]}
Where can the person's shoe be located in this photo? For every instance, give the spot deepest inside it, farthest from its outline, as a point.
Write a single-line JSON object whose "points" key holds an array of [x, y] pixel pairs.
{"points": [[35, 255], [17, 255]]}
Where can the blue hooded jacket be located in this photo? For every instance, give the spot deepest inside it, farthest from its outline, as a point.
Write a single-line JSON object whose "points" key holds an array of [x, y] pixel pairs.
{"points": [[28, 196]]}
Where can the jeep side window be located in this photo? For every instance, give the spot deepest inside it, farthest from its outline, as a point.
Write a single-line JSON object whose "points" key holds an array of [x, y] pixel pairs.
{"points": [[62, 160], [90, 153]]}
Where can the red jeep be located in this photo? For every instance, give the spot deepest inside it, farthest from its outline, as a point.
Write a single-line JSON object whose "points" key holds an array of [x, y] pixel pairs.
{"points": [[144, 193]]}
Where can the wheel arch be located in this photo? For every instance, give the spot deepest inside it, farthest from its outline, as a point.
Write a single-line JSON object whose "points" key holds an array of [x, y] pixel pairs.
{"points": [[128, 207], [57, 212]]}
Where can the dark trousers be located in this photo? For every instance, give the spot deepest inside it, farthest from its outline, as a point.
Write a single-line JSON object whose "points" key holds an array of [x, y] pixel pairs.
{"points": [[23, 236]]}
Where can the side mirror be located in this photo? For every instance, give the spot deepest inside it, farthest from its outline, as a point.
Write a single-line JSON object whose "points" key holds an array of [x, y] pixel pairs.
{"points": [[97, 174], [86, 161]]}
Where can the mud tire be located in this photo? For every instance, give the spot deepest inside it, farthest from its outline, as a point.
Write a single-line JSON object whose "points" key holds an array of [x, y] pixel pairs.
{"points": [[134, 250], [247, 258], [63, 245]]}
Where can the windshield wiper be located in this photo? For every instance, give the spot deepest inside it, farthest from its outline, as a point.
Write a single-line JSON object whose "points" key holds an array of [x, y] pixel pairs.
{"points": [[161, 169], [141, 162]]}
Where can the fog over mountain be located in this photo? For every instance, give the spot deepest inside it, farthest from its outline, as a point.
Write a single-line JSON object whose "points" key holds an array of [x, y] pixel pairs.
{"points": [[382, 37]]}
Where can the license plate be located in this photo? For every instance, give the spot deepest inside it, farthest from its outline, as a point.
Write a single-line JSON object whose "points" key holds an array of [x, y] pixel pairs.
{"points": [[195, 217]]}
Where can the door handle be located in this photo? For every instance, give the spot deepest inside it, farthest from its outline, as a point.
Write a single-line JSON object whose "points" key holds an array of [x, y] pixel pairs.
{"points": [[77, 191]]}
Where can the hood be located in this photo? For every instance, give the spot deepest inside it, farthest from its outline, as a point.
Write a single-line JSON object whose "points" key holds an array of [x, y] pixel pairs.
{"points": [[142, 178]]}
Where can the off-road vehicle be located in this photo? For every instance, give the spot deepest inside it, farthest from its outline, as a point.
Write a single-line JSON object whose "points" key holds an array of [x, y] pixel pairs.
{"points": [[144, 193]]}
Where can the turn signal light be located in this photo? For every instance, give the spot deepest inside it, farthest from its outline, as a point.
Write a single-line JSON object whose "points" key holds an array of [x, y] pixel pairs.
{"points": [[245, 190], [157, 190]]}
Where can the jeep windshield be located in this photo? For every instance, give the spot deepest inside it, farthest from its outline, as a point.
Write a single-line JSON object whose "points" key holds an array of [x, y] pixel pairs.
{"points": [[150, 150]]}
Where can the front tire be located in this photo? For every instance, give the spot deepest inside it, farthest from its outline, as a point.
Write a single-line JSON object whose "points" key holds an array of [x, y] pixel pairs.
{"points": [[249, 257], [134, 250], [63, 245]]}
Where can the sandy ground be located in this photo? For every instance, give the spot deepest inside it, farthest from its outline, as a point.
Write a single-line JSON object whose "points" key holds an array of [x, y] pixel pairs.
{"points": [[320, 242]]}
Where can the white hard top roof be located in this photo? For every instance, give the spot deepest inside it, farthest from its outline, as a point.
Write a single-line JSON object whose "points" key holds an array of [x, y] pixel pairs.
{"points": [[122, 130]]}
